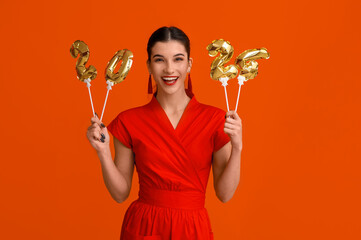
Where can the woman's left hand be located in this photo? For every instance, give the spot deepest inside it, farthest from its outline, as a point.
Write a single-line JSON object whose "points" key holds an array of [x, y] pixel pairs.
{"points": [[233, 127]]}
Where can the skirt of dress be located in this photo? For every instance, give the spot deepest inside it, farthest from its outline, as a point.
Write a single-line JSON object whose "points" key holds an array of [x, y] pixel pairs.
{"points": [[167, 215]]}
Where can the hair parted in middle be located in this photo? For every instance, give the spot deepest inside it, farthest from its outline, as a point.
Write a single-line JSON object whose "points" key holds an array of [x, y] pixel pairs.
{"points": [[165, 34]]}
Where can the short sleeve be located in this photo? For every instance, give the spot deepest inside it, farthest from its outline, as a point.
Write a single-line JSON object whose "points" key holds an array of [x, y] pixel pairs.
{"points": [[220, 138], [118, 129]]}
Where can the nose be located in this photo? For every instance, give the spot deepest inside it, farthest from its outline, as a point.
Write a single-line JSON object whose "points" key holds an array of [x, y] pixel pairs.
{"points": [[169, 68]]}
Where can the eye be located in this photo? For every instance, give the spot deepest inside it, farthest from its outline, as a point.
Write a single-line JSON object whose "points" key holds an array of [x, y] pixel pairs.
{"points": [[158, 60], [179, 59]]}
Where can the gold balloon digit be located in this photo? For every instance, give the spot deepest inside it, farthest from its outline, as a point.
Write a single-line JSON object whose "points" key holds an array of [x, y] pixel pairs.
{"points": [[127, 59], [246, 63], [80, 48], [225, 50]]}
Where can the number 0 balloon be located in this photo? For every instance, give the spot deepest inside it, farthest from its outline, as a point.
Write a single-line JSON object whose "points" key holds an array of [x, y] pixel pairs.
{"points": [[114, 78]]}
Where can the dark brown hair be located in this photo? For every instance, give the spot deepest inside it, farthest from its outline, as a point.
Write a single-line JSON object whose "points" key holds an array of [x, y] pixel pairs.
{"points": [[165, 34]]}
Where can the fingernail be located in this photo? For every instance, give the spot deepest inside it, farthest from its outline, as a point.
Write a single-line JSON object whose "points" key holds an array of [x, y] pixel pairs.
{"points": [[102, 125], [102, 140], [96, 115], [103, 136]]}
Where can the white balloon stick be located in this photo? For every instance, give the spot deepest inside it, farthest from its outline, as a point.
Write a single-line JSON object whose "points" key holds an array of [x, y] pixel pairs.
{"points": [[109, 87], [241, 81], [90, 95], [224, 81]]}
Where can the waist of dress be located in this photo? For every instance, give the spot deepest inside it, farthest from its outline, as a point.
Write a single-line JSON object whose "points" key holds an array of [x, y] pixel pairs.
{"points": [[172, 199]]}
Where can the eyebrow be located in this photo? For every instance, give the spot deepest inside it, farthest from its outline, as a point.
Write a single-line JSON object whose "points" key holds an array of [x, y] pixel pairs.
{"points": [[158, 55]]}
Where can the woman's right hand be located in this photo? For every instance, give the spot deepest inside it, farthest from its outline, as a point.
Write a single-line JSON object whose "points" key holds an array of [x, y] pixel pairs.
{"points": [[97, 135]]}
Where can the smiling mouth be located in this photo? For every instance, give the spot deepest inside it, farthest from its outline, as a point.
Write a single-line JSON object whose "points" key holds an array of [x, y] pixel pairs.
{"points": [[170, 80]]}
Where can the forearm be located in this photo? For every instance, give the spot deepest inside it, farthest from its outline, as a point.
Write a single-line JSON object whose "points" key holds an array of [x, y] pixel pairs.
{"points": [[228, 181], [113, 179]]}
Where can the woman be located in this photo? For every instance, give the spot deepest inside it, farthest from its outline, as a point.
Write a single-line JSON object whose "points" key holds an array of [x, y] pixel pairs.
{"points": [[173, 141]]}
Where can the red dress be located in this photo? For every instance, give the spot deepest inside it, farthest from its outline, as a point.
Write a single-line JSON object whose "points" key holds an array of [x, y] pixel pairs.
{"points": [[173, 166]]}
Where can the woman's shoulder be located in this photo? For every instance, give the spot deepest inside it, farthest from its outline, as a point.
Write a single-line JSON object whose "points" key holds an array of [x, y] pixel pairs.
{"points": [[131, 113], [209, 109]]}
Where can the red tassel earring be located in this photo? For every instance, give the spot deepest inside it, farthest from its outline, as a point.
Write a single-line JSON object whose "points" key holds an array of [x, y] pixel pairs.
{"points": [[189, 83], [150, 87]]}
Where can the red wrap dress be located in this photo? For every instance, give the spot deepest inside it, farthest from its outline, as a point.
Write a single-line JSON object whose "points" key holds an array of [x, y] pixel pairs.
{"points": [[173, 166]]}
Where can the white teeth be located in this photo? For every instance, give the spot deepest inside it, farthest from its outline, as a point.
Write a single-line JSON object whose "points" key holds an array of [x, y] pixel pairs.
{"points": [[170, 79]]}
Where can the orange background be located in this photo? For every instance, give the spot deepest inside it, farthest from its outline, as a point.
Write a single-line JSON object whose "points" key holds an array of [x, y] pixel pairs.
{"points": [[300, 175]]}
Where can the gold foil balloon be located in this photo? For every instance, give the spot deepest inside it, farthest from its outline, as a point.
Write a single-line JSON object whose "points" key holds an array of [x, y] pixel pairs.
{"points": [[127, 59], [83, 73], [225, 50], [113, 78], [246, 62]]}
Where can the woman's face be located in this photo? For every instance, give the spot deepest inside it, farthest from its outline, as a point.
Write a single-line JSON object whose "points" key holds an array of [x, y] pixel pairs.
{"points": [[169, 66]]}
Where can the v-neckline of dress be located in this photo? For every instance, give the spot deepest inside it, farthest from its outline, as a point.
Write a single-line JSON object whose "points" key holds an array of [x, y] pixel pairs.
{"points": [[191, 102]]}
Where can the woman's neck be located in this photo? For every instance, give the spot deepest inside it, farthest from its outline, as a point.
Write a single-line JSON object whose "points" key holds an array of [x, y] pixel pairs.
{"points": [[173, 102]]}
